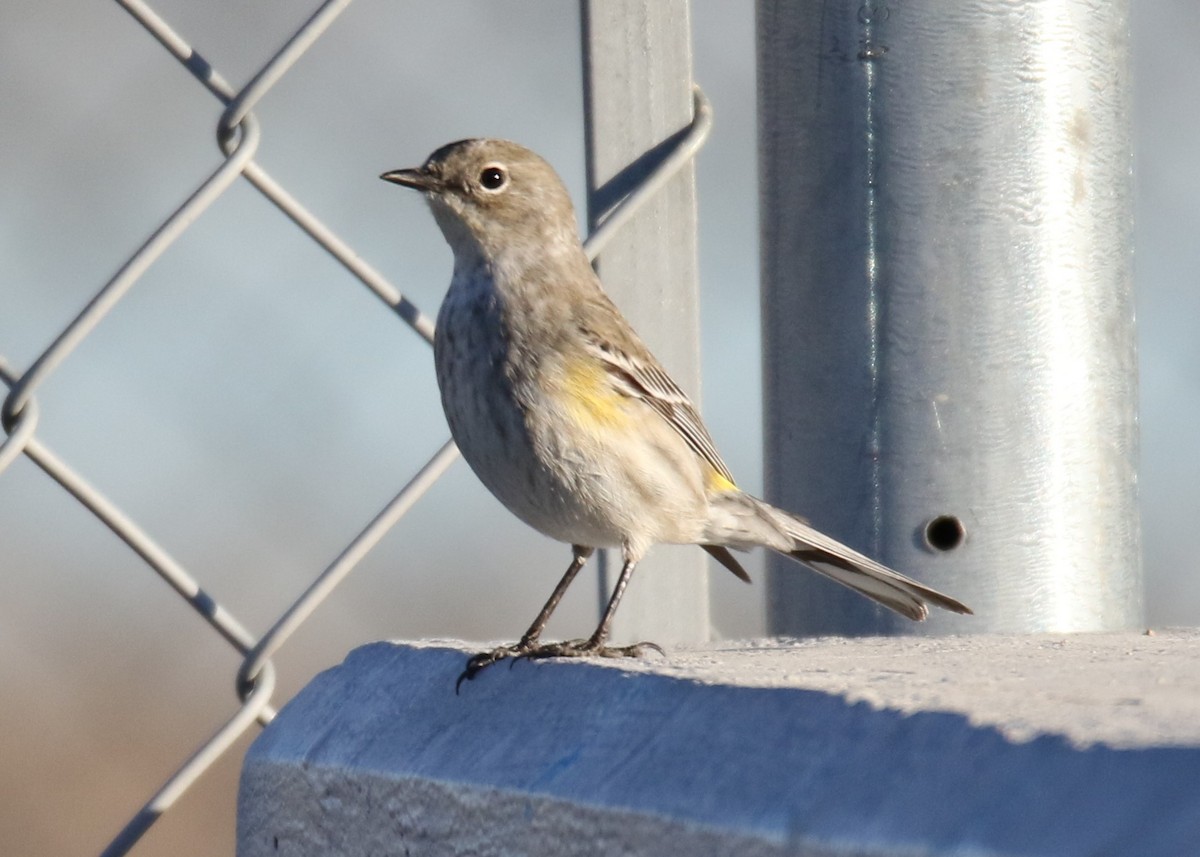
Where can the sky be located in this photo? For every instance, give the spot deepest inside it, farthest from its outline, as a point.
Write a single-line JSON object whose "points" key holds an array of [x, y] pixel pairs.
{"points": [[253, 406]]}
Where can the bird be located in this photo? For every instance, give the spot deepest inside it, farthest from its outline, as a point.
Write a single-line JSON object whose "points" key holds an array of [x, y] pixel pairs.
{"points": [[568, 419]]}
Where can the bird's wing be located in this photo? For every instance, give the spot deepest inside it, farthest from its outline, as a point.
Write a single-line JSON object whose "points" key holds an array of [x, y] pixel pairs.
{"points": [[644, 379]]}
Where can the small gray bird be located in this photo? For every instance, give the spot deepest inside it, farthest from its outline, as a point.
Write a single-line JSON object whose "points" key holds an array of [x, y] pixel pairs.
{"points": [[567, 417]]}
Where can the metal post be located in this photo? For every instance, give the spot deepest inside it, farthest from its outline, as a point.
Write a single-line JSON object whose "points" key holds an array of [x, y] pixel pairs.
{"points": [[948, 317], [637, 96]]}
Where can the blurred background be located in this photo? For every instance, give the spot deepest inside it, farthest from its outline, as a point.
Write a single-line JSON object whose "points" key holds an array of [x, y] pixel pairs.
{"points": [[253, 406]]}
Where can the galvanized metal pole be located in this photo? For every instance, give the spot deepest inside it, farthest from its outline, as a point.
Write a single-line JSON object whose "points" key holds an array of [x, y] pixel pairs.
{"points": [[948, 319], [637, 97]]}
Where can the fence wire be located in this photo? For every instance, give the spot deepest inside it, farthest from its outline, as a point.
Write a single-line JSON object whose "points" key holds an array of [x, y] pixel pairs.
{"points": [[238, 136]]}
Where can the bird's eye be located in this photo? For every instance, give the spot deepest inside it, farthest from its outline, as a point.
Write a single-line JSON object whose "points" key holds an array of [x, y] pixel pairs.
{"points": [[492, 178]]}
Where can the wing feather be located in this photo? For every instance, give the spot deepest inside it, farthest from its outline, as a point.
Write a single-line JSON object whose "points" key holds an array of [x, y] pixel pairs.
{"points": [[649, 382]]}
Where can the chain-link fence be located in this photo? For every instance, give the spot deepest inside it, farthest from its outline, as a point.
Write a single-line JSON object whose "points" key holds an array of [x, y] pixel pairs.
{"points": [[239, 136]]}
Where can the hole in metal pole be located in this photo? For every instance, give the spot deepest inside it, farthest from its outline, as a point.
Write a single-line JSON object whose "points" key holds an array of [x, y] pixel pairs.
{"points": [[945, 533]]}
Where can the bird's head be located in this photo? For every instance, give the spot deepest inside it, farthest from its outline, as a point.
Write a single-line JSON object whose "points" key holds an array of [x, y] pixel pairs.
{"points": [[493, 197]]}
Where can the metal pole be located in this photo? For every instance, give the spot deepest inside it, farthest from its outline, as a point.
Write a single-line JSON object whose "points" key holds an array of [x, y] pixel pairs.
{"points": [[948, 317], [637, 96]]}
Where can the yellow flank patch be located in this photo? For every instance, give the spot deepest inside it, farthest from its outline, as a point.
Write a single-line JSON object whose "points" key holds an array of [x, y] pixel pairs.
{"points": [[590, 398], [717, 482]]}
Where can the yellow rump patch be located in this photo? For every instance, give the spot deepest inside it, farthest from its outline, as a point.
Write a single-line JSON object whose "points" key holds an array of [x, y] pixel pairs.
{"points": [[717, 482], [590, 398]]}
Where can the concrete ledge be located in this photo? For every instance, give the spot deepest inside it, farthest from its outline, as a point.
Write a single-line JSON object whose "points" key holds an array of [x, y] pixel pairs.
{"points": [[1048, 745]]}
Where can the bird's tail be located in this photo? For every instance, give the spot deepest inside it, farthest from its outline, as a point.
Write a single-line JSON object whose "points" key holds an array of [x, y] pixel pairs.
{"points": [[742, 521]]}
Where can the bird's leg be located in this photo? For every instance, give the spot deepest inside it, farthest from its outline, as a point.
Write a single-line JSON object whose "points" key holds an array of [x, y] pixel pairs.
{"points": [[529, 640], [595, 644]]}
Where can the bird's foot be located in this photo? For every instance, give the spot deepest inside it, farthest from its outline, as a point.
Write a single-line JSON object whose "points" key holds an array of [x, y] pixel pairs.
{"points": [[539, 651], [589, 648], [483, 660]]}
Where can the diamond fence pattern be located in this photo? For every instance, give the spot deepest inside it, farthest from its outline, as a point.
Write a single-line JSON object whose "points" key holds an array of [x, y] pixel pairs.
{"points": [[238, 135]]}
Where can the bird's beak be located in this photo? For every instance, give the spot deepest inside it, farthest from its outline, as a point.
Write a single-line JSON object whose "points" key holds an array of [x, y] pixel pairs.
{"points": [[418, 179]]}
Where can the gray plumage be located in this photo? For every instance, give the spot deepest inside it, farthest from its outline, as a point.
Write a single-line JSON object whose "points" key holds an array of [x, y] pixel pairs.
{"points": [[567, 417]]}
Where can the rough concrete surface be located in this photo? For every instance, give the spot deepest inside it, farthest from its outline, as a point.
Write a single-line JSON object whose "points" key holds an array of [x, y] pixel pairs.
{"points": [[1045, 745]]}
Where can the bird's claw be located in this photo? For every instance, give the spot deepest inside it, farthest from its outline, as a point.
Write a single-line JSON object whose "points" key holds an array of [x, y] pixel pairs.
{"points": [[536, 652], [483, 660], [589, 648]]}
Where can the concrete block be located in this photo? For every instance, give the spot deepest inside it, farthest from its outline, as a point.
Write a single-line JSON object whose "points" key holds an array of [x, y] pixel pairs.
{"points": [[1039, 745]]}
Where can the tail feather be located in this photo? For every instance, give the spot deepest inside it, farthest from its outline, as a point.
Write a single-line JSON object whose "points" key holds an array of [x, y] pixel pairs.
{"points": [[722, 555], [883, 592], [850, 568], [739, 520]]}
